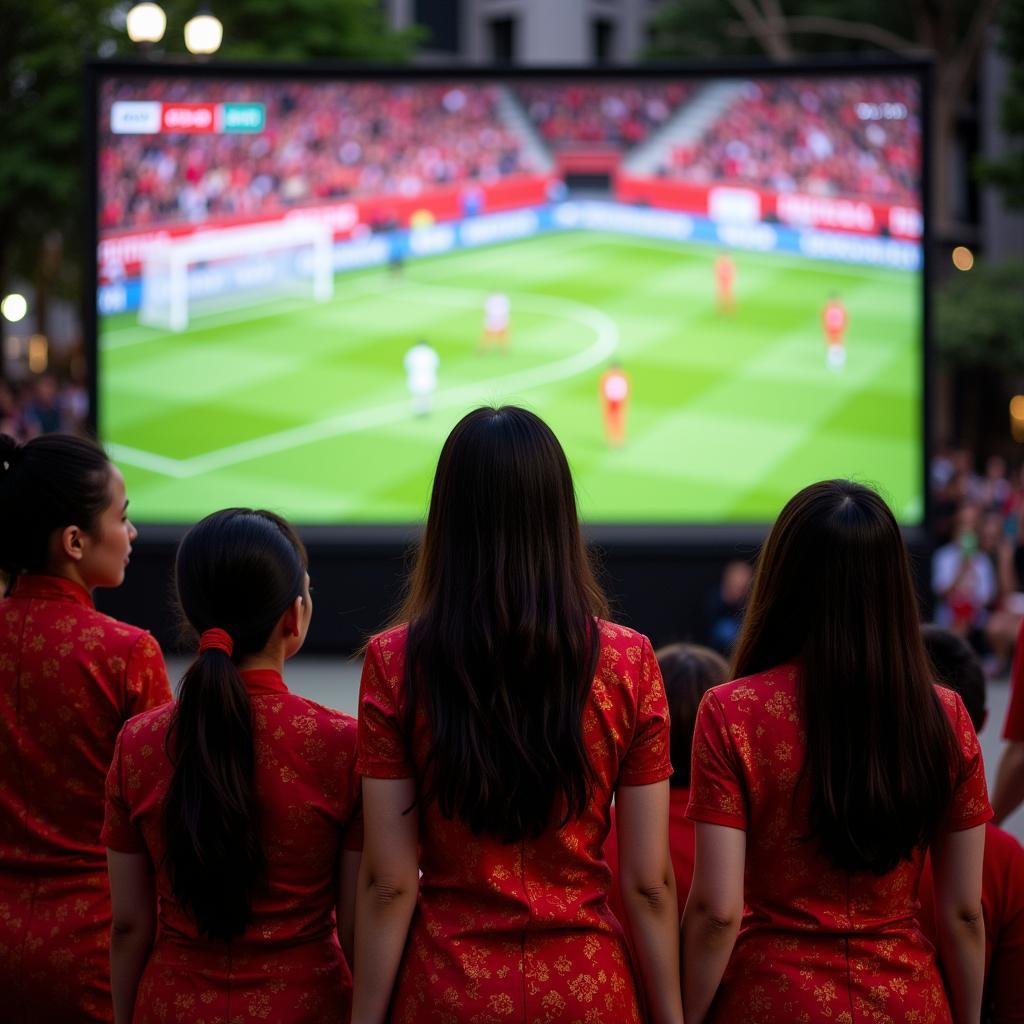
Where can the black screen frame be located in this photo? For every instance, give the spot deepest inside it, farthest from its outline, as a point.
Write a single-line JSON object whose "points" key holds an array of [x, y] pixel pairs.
{"points": [[674, 536]]}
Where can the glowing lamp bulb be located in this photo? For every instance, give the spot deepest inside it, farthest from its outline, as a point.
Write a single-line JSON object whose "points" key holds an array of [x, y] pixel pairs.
{"points": [[203, 34], [14, 307], [963, 258], [146, 23]]}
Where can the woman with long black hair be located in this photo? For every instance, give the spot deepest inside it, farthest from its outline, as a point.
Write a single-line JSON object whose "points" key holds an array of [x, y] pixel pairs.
{"points": [[821, 776], [69, 679], [237, 806], [497, 721]]}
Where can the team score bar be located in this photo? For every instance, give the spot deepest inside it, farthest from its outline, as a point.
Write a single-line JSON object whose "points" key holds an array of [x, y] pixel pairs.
{"points": [[152, 117]]}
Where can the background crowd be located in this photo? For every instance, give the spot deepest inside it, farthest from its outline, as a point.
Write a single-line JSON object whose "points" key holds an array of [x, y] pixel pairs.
{"points": [[321, 142], [854, 137]]}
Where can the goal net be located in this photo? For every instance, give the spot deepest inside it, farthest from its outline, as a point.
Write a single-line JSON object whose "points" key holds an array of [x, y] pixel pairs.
{"points": [[215, 269]]}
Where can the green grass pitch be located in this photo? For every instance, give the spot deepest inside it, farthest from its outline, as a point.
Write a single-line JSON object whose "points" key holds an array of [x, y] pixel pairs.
{"points": [[302, 407]]}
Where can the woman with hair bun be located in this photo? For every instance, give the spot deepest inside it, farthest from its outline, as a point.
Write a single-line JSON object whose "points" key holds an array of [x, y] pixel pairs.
{"points": [[819, 779], [69, 679], [232, 815]]}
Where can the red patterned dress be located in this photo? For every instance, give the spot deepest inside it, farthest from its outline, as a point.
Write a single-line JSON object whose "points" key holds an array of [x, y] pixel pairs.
{"points": [[69, 679], [287, 967], [520, 932], [816, 944]]}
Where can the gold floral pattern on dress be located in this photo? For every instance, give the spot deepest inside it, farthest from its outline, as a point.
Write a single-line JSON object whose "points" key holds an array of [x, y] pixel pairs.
{"points": [[69, 679], [816, 944], [520, 932], [288, 967]]}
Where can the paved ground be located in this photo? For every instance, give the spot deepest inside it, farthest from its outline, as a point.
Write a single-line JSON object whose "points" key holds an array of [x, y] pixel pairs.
{"points": [[335, 682]]}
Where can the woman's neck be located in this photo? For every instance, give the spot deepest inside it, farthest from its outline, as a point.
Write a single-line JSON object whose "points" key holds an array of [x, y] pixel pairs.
{"points": [[68, 571], [265, 659]]}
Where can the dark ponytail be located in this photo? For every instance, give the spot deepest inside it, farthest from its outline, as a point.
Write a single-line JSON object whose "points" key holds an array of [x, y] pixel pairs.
{"points": [[237, 570], [46, 484]]}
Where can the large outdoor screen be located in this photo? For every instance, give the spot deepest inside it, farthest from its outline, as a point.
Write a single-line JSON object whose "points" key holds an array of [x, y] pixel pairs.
{"points": [[710, 287]]}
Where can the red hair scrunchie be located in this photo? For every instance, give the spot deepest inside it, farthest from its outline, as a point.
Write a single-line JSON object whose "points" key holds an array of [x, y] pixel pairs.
{"points": [[216, 640]]}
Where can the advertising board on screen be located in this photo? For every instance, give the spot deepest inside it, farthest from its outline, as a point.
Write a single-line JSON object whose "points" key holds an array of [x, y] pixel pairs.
{"points": [[711, 286]]}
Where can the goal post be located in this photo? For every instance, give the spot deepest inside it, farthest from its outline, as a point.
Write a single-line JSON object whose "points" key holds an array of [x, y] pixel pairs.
{"points": [[235, 265]]}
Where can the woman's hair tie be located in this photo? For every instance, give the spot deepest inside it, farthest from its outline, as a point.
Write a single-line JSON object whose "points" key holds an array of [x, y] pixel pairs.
{"points": [[216, 640]]}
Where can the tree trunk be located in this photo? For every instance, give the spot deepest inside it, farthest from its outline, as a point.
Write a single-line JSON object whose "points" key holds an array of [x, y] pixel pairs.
{"points": [[943, 134]]}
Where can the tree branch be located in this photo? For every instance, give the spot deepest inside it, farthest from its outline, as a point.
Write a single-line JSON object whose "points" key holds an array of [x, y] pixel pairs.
{"points": [[960, 66], [775, 19], [842, 29], [756, 26]]}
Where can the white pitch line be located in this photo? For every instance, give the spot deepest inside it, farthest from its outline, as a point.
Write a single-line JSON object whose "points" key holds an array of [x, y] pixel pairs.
{"points": [[370, 280], [126, 337], [162, 464], [605, 343]]}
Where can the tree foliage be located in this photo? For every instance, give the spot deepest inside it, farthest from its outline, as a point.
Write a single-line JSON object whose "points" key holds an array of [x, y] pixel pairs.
{"points": [[42, 47], [1007, 172], [953, 32], [296, 30], [979, 318]]}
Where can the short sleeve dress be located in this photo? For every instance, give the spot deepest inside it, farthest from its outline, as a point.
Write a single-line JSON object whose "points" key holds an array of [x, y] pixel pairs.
{"points": [[816, 943], [69, 679], [520, 932], [288, 966]]}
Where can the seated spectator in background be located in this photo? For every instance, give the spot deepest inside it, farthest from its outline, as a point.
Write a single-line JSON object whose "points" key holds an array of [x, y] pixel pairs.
{"points": [[1002, 881], [44, 414], [998, 540], [688, 671], [1008, 793], [726, 604], [963, 578], [992, 490]]}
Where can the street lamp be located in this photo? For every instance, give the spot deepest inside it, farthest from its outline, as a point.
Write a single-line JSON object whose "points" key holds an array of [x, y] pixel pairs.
{"points": [[146, 23], [203, 33]]}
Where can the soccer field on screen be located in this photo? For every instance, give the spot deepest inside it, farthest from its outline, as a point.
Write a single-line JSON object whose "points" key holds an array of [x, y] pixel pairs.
{"points": [[303, 408]]}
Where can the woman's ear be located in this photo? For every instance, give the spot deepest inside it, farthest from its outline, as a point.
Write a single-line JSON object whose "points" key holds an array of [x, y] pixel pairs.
{"points": [[70, 543], [291, 620]]}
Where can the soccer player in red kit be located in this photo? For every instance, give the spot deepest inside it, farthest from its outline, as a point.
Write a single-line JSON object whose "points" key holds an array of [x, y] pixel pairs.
{"points": [[833, 319], [614, 396], [725, 275]]}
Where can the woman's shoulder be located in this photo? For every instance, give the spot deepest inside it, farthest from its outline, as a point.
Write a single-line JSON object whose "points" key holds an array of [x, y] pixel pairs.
{"points": [[949, 699], [389, 642], [304, 710], [86, 627], [148, 727], [775, 688], [622, 639]]}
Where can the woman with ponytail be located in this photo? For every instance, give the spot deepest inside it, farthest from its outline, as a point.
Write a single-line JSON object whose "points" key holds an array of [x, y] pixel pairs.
{"points": [[819, 779], [236, 806], [69, 679], [496, 723]]}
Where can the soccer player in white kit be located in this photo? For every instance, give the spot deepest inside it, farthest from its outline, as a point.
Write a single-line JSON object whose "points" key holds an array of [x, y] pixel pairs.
{"points": [[496, 316], [421, 363]]}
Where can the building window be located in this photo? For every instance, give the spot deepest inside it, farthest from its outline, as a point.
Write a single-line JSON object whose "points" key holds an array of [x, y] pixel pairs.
{"points": [[602, 41], [502, 33], [441, 20]]}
